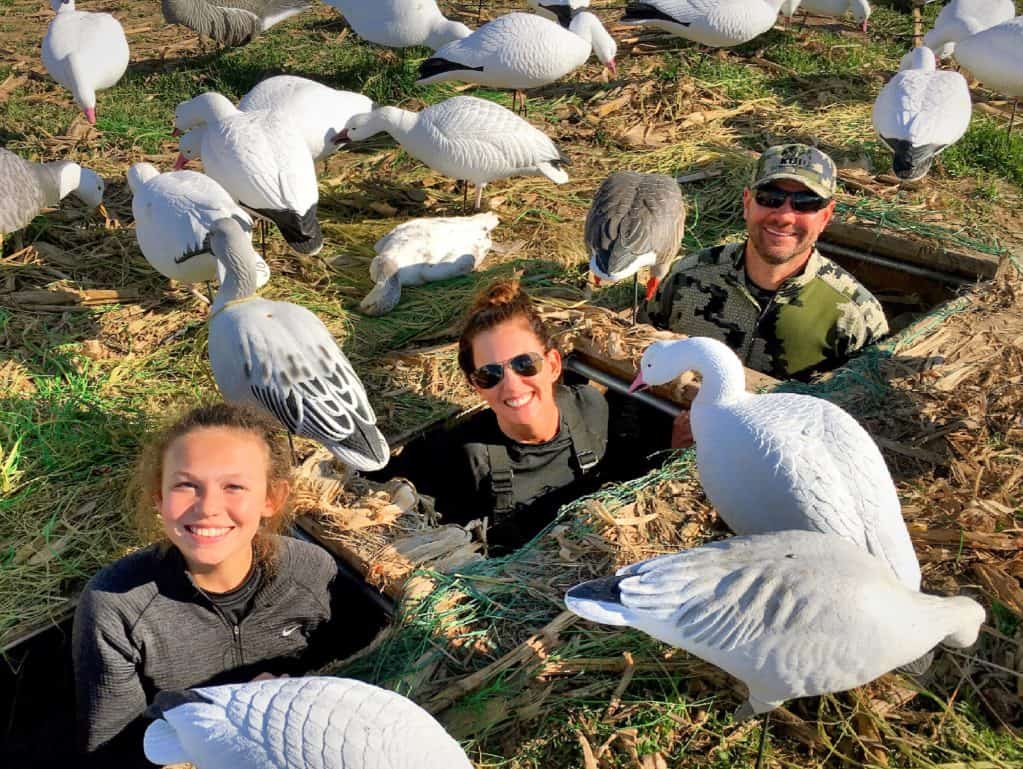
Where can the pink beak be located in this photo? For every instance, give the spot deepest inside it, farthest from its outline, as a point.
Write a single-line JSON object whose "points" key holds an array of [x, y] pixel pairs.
{"points": [[90, 115], [613, 68], [181, 162], [176, 132], [637, 383], [864, 26], [651, 288]]}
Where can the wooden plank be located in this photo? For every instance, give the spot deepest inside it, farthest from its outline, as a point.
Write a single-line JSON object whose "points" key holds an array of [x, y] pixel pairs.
{"points": [[318, 532], [19, 635], [926, 254]]}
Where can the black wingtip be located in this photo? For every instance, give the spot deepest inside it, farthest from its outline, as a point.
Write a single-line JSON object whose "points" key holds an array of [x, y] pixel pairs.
{"points": [[170, 699], [302, 232], [606, 590], [646, 12], [563, 12], [437, 66], [912, 162]]}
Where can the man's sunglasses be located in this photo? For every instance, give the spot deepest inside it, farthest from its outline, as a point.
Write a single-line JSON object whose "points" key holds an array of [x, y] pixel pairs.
{"points": [[803, 201], [490, 375]]}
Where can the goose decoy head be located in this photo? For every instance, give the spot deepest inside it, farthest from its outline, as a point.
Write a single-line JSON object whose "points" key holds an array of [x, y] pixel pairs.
{"points": [[90, 190]]}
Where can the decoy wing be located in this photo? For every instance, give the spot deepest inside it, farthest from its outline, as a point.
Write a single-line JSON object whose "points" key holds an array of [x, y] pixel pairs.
{"points": [[24, 193]]}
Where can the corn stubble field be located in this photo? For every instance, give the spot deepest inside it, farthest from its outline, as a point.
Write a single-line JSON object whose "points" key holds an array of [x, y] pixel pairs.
{"points": [[95, 347]]}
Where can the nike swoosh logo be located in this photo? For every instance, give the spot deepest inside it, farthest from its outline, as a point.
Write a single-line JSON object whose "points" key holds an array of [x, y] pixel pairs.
{"points": [[289, 630]]}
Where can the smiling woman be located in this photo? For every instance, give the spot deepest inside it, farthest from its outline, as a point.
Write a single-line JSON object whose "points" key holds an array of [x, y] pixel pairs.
{"points": [[222, 599], [538, 445]]}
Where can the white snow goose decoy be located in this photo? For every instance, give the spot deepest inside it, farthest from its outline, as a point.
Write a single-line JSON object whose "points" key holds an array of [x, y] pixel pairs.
{"points": [[521, 51], [860, 9], [30, 187], [262, 160], [230, 22], [781, 461], [400, 23], [920, 112], [423, 251], [995, 58], [560, 11], [279, 357], [466, 138], [297, 723], [636, 221], [173, 216], [714, 23], [84, 52], [962, 18], [790, 614], [320, 112]]}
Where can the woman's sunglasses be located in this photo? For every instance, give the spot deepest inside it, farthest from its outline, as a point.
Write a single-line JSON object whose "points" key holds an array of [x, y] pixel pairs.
{"points": [[490, 375], [803, 201]]}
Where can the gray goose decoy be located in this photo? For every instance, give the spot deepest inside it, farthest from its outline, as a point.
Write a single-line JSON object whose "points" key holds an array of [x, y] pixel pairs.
{"points": [[279, 357], [230, 22], [30, 187], [636, 220]]}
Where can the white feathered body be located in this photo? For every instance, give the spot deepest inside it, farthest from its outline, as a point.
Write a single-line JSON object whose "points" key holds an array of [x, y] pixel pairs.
{"points": [[85, 52], [420, 249], [517, 50], [301, 723], [714, 23], [318, 111], [995, 57], [28, 188], [791, 613], [479, 141], [173, 215], [832, 7], [962, 18], [262, 160], [399, 23]]}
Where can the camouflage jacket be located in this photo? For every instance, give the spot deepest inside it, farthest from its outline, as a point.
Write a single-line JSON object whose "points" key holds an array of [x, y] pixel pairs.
{"points": [[814, 321]]}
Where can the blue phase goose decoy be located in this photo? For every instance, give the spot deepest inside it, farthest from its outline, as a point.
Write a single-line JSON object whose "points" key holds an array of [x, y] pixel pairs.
{"points": [[790, 614], [466, 138], [635, 221], [962, 18], [714, 23], [230, 22], [262, 160], [521, 51], [400, 23], [316, 722], [84, 52], [920, 112], [279, 357], [173, 216], [779, 461], [30, 187]]}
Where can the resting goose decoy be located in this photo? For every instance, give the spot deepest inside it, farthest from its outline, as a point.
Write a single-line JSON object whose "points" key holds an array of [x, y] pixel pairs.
{"points": [[230, 22], [521, 51], [995, 58], [784, 461], [860, 9], [297, 723], [790, 614], [560, 11], [262, 160], [319, 111], [920, 112], [466, 138], [962, 18], [636, 221], [30, 187], [423, 251], [173, 216], [714, 23], [84, 52], [400, 23], [279, 357]]}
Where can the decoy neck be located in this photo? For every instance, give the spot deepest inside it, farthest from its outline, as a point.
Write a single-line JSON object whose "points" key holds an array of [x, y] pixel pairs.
{"points": [[961, 616], [722, 375], [62, 6], [139, 174], [587, 26], [232, 247], [208, 107], [444, 32], [395, 121], [921, 58], [71, 177]]}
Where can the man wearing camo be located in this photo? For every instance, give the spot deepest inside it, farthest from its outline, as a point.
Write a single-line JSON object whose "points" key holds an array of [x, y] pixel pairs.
{"points": [[784, 308]]}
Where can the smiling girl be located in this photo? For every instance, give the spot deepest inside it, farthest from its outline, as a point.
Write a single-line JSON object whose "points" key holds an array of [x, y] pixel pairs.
{"points": [[223, 597]]}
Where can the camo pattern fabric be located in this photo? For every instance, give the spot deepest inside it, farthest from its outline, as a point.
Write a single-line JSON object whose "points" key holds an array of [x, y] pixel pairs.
{"points": [[799, 163], [815, 320]]}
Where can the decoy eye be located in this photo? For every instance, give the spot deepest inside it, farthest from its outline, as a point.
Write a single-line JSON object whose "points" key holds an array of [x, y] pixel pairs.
{"points": [[790, 555]]}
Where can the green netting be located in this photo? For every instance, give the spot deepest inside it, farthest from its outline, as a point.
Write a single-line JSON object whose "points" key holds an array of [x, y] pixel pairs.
{"points": [[532, 711]]}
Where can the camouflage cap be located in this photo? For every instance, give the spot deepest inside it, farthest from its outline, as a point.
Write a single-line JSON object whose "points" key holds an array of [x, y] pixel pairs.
{"points": [[798, 163]]}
